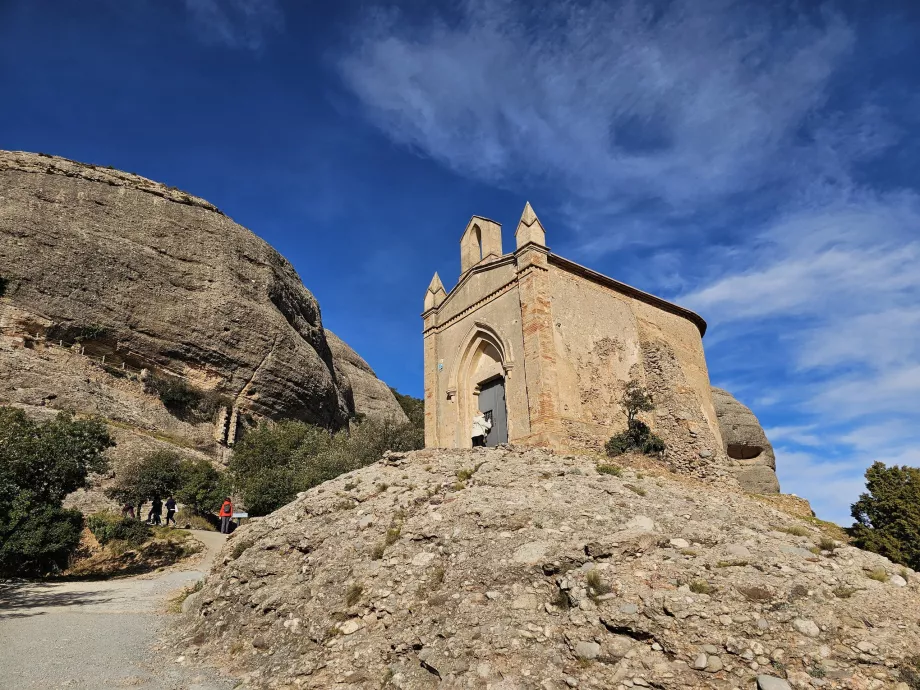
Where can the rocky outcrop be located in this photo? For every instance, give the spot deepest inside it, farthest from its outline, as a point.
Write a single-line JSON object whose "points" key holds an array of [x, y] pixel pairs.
{"points": [[512, 568], [111, 279], [369, 395], [750, 453]]}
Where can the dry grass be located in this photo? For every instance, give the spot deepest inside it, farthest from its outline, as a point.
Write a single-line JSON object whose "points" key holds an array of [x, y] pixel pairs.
{"points": [[701, 587], [353, 593], [796, 530], [636, 489], [878, 574], [613, 470]]}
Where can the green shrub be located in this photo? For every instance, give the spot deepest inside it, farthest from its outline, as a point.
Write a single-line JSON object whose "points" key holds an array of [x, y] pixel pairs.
{"points": [[158, 474], [107, 527], [203, 488], [888, 514], [272, 463], [638, 435], [40, 463], [413, 407], [43, 543], [615, 470]]}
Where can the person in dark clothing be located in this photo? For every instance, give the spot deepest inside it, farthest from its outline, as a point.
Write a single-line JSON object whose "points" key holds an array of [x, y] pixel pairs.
{"points": [[170, 511], [156, 511]]}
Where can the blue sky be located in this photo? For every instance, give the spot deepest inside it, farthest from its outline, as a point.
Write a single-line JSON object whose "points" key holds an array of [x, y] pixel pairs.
{"points": [[757, 162]]}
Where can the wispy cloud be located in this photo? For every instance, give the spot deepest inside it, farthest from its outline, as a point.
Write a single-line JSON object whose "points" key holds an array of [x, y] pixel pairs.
{"points": [[621, 102], [235, 23], [709, 138]]}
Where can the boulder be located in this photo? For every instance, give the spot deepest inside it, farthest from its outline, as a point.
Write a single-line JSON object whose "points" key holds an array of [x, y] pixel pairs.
{"points": [[745, 442]]}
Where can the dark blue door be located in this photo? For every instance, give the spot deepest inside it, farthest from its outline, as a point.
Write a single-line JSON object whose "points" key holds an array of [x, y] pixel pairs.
{"points": [[492, 404]]}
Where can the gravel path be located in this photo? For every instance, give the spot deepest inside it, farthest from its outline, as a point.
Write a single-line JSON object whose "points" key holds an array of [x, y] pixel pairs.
{"points": [[100, 634]]}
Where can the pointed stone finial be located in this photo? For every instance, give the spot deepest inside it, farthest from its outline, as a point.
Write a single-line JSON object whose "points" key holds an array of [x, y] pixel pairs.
{"points": [[530, 229], [436, 293], [436, 285]]}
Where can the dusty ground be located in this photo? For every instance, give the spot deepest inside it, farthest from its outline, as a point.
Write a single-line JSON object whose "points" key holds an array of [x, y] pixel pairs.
{"points": [[100, 634]]}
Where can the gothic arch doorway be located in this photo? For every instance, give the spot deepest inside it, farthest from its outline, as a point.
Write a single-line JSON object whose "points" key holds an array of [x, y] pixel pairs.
{"points": [[479, 381]]}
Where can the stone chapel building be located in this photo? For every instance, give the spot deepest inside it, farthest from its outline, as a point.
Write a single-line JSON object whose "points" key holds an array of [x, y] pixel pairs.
{"points": [[546, 346]]}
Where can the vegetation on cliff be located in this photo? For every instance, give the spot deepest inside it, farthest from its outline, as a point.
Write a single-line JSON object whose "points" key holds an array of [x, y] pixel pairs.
{"points": [[637, 436]]}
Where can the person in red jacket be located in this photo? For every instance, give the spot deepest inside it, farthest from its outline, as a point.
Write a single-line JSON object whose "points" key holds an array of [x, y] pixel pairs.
{"points": [[226, 512]]}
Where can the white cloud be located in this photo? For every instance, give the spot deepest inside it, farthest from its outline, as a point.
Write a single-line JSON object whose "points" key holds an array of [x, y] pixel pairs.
{"points": [[618, 102], [235, 23], [829, 484]]}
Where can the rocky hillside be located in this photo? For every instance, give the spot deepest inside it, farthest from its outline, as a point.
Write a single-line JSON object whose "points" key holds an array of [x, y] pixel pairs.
{"points": [[113, 282], [512, 568]]}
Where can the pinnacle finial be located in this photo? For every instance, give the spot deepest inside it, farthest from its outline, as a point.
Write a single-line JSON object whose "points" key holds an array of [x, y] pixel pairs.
{"points": [[530, 229], [528, 216], [436, 285]]}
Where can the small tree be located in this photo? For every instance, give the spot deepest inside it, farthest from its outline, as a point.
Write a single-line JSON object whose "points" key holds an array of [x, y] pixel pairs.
{"points": [[158, 474], [638, 435], [888, 514], [40, 463], [203, 487]]}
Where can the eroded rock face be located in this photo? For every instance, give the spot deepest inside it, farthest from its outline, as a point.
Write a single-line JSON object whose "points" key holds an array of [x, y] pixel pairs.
{"points": [[161, 280], [102, 263], [749, 451], [370, 396], [521, 568]]}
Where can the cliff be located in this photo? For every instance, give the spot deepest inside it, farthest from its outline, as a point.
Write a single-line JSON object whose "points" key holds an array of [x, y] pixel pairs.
{"points": [[116, 285]]}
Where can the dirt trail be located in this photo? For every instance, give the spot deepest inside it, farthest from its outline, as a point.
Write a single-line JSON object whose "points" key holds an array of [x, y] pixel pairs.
{"points": [[100, 634]]}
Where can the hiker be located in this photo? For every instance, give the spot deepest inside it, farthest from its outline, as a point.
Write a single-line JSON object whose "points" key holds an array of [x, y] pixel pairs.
{"points": [[127, 510], [170, 511], [481, 427], [226, 512], [156, 511]]}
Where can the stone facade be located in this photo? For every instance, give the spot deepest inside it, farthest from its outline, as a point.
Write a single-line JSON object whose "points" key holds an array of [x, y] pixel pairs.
{"points": [[564, 341]]}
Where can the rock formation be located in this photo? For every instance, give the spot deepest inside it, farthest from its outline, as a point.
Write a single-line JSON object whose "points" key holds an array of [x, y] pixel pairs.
{"points": [[111, 279], [746, 444], [369, 395], [512, 568]]}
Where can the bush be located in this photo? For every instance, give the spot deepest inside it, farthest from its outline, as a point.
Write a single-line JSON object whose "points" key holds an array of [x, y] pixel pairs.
{"points": [[158, 474], [638, 435], [275, 462], [108, 527], [40, 463], [413, 407], [202, 488], [43, 543], [888, 514]]}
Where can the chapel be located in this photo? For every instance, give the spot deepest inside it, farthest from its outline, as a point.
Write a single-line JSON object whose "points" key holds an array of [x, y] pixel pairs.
{"points": [[545, 347]]}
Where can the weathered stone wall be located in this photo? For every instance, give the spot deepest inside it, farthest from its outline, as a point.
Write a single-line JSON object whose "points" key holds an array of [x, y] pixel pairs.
{"points": [[465, 316], [605, 338]]}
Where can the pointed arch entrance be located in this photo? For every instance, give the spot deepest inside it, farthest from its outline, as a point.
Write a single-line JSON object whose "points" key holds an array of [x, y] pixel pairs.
{"points": [[479, 381]]}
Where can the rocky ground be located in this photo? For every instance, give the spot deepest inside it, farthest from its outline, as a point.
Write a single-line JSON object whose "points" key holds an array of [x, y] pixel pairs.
{"points": [[512, 568]]}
